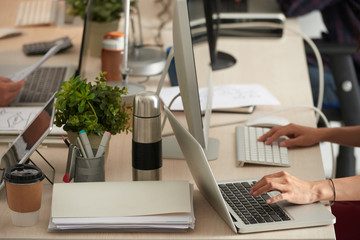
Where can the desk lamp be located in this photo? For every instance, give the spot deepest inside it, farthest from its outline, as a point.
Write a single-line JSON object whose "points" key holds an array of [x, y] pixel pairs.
{"points": [[145, 60], [132, 88]]}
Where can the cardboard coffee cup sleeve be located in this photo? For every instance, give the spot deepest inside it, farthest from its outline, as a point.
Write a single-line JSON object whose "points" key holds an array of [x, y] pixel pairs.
{"points": [[24, 198]]}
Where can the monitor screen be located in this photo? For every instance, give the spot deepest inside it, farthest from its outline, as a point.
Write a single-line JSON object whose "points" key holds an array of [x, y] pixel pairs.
{"points": [[84, 47], [27, 142]]}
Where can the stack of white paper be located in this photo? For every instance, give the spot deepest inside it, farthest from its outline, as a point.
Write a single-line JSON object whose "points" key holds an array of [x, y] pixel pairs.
{"points": [[134, 206], [224, 96]]}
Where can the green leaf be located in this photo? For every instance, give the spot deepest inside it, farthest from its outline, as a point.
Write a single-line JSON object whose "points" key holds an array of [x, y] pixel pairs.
{"points": [[91, 96], [81, 106]]}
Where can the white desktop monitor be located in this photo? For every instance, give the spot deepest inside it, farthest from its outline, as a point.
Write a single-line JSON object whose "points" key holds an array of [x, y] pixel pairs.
{"points": [[186, 69]]}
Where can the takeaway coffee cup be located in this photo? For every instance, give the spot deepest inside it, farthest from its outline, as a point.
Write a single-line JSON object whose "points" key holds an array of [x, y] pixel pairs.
{"points": [[24, 189]]}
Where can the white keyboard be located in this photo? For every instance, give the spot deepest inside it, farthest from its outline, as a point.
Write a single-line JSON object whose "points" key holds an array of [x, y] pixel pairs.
{"points": [[36, 12], [249, 150]]}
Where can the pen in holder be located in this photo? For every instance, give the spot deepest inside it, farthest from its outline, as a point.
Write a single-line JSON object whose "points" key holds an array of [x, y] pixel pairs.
{"points": [[89, 169], [70, 163]]}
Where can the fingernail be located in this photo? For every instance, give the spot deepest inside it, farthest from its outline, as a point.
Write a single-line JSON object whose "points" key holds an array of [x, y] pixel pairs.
{"points": [[282, 144], [268, 201]]}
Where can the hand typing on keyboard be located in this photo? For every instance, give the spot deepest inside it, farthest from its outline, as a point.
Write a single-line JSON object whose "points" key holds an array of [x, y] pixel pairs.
{"points": [[300, 136], [250, 150], [293, 189], [298, 191], [9, 90]]}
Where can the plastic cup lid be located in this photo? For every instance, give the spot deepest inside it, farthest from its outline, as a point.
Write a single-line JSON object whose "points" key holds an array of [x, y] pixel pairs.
{"points": [[114, 34], [23, 174], [113, 41]]}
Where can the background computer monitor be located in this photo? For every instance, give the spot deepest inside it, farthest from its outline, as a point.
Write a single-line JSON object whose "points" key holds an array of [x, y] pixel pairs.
{"points": [[219, 60], [84, 41], [188, 77]]}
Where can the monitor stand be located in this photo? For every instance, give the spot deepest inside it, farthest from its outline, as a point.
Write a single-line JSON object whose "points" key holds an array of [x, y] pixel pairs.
{"points": [[223, 60], [171, 149]]}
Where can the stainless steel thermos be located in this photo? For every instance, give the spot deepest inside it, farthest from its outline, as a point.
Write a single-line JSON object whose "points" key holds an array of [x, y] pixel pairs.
{"points": [[146, 141]]}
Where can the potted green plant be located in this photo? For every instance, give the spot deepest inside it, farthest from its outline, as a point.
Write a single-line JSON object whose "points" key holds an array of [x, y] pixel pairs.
{"points": [[93, 107], [105, 15], [101, 10]]}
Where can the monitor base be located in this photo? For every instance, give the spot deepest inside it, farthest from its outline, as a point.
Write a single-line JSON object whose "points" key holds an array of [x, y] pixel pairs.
{"points": [[171, 149], [223, 60]]}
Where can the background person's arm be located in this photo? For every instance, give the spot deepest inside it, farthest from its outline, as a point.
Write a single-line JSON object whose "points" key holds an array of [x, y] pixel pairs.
{"points": [[348, 136], [301, 136], [9, 90]]}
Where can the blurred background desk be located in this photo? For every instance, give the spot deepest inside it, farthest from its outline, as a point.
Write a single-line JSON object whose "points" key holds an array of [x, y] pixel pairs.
{"points": [[277, 64]]}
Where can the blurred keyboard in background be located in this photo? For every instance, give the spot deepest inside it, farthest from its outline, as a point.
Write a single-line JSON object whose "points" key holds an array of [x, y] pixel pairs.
{"points": [[37, 12]]}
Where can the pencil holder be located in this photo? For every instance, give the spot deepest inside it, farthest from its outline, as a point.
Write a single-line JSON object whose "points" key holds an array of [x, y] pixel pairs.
{"points": [[89, 169]]}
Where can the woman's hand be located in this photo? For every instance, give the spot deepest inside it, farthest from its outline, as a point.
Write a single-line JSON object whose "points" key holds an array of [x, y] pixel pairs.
{"points": [[297, 136], [9, 90], [292, 189]]}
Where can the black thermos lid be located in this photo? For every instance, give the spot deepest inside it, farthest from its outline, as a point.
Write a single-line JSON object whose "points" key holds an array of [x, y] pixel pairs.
{"points": [[23, 174]]}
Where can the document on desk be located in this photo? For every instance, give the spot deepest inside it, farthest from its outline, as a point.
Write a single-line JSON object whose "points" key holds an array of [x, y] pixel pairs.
{"points": [[224, 96], [14, 120], [141, 205]]}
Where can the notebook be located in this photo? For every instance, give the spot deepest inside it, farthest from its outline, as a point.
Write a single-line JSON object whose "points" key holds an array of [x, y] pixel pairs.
{"points": [[291, 216], [45, 81]]}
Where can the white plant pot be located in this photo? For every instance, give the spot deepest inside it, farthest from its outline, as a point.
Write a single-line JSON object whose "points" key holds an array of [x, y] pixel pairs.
{"points": [[96, 34]]}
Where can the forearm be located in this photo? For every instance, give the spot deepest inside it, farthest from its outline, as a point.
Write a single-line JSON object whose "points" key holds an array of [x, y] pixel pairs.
{"points": [[348, 136], [346, 189]]}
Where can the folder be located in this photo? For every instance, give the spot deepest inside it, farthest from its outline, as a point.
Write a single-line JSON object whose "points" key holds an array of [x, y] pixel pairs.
{"points": [[141, 205]]}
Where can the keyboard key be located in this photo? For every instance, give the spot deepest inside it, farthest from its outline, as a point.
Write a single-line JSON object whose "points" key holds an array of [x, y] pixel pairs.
{"points": [[260, 145], [253, 144]]}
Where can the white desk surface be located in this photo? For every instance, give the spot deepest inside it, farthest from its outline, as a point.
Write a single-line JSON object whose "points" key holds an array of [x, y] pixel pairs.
{"points": [[277, 64]]}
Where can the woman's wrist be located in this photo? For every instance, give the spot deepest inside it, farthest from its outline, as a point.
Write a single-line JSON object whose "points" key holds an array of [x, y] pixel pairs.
{"points": [[323, 190], [323, 134]]}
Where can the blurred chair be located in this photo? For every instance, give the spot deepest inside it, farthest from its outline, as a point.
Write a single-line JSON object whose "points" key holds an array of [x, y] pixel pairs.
{"points": [[343, 70]]}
